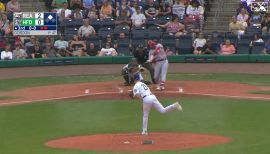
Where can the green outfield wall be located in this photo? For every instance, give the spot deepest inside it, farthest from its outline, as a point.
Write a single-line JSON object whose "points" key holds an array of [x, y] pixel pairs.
{"points": [[126, 59]]}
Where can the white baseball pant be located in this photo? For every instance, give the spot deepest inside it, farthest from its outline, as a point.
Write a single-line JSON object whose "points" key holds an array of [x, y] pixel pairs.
{"points": [[149, 102]]}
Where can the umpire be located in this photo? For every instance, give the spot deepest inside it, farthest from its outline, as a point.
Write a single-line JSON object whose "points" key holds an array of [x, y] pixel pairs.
{"points": [[141, 54]]}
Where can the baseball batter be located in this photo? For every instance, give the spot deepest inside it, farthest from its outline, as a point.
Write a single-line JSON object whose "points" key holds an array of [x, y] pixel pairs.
{"points": [[148, 101], [159, 57]]}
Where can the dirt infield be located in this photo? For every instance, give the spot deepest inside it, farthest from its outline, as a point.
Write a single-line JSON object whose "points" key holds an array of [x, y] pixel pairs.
{"points": [[133, 142], [112, 90]]}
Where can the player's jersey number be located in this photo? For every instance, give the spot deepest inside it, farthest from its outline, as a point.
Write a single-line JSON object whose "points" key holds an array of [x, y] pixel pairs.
{"points": [[144, 87]]}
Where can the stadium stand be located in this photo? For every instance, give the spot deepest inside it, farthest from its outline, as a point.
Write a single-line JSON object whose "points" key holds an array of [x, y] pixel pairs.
{"points": [[135, 36]]}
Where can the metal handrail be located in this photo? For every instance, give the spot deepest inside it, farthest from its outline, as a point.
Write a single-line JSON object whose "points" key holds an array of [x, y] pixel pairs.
{"points": [[217, 13]]}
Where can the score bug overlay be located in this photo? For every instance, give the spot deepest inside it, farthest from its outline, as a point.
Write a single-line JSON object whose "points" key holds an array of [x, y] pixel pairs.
{"points": [[35, 23]]}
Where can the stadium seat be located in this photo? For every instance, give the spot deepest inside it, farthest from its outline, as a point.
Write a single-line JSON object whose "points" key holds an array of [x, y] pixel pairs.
{"points": [[103, 32], [243, 48], [119, 30], [257, 48], [71, 31], [184, 44], [154, 33], [253, 30], [151, 22], [108, 22], [164, 20], [96, 23], [246, 38], [139, 33], [123, 47], [169, 40]]}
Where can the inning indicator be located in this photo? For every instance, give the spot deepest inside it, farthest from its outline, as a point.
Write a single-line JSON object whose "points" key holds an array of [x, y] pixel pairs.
{"points": [[35, 23]]}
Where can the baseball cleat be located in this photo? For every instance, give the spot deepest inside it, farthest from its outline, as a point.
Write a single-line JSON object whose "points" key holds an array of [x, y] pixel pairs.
{"points": [[144, 132], [160, 88], [178, 106]]}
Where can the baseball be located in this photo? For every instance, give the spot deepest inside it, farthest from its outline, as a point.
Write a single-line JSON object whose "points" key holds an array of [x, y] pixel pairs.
{"points": [[181, 90], [126, 142], [86, 91], [121, 90]]}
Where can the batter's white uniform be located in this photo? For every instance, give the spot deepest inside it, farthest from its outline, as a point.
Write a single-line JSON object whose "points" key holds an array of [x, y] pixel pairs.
{"points": [[149, 100]]}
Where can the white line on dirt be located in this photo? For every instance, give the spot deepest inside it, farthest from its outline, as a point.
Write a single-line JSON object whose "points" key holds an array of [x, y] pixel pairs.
{"points": [[104, 93]]}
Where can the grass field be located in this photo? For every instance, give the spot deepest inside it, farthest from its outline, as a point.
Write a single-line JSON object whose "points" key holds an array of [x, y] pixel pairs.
{"points": [[25, 128]]}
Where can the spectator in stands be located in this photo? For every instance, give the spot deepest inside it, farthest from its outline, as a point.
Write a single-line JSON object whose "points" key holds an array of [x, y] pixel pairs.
{"points": [[7, 54], [13, 6], [9, 29], [58, 4], [255, 19], [123, 10], [236, 28], [86, 30], [196, 12], [266, 49], [19, 52], [64, 12], [77, 46], [265, 24], [29, 46], [256, 38], [92, 13], [2, 7], [198, 44], [88, 4], [133, 5], [77, 14], [74, 4], [4, 22], [164, 9], [121, 37], [109, 40], [62, 46], [227, 48], [208, 48], [108, 50], [151, 10], [48, 4], [138, 18], [37, 51], [49, 51], [123, 20], [242, 18], [106, 10], [174, 27], [91, 50], [179, 9]]}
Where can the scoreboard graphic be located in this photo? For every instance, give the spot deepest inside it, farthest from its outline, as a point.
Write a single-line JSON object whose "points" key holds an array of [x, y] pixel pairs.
{"points": [[34, 23]]}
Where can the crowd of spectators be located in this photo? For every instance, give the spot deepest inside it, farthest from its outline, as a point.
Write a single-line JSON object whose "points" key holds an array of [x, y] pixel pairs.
{"points": [[182, 18]]}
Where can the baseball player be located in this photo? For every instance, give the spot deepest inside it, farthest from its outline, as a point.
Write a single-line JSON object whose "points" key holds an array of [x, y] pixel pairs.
{"points": [[148, 101], [159, 57], [129, 70]]}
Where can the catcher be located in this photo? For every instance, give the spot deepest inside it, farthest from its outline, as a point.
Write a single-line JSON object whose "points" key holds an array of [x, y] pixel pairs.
{"points": [[130, 69]]}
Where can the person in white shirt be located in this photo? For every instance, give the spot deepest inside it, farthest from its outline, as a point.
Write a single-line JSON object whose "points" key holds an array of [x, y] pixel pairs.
{"points": [[138, 18], [148, 101], [19, 52], [62, 47], [196, 12], [7, 54], [108, 51], [86, 30], [198, 44], [66, 11]]}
